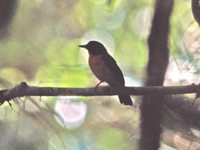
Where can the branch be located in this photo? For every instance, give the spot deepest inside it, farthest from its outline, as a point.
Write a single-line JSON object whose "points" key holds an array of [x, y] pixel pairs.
{"points": [[24, 89], [184, 110]]}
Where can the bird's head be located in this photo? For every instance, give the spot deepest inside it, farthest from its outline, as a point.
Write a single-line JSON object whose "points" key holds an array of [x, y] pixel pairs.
{"points": [[94, 48]]}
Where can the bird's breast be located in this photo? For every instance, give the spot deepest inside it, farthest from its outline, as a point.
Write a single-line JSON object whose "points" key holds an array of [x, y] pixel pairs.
{"points": [[99, 68]]}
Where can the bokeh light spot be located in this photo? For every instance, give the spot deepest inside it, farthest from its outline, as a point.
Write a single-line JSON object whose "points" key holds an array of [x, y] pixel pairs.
{"points": [[72, 114]]}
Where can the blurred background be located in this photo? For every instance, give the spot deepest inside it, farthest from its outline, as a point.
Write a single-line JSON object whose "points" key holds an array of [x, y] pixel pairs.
{"points": [[40, 47]]}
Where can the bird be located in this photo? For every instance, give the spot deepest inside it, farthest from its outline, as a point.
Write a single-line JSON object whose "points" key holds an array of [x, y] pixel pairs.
{"points": [[105, 68]]}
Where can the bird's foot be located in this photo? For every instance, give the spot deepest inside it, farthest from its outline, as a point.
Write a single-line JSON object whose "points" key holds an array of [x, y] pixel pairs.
{"points": [[95, 88]]}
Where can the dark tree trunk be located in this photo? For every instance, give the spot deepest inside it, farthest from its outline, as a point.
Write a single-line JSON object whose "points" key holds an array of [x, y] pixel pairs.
{"points": [[196, 10], [151, 107], [7, 11]]}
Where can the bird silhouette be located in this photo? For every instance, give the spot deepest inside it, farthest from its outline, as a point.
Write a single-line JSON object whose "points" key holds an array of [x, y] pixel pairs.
{"points": [[105, 68]]}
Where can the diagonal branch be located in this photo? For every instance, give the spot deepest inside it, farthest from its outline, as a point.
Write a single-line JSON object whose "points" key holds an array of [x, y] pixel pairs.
{"points": [[24, 89]]}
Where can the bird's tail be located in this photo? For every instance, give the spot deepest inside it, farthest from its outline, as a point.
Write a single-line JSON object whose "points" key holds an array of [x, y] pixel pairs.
{"points": [[125, 99]]}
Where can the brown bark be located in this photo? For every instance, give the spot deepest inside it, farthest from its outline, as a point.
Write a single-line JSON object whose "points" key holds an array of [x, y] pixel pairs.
{"points": [[152, 105]]}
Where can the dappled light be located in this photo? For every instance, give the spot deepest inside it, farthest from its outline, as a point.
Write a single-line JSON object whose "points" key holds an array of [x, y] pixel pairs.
{"points": [[40, 46]]}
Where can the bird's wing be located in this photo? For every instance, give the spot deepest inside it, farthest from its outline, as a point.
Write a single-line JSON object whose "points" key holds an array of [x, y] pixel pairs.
{"points": [[112, 65]]}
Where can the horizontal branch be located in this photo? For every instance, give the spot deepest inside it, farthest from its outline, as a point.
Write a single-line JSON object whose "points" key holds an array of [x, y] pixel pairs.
{"points": [[24, 89], [188, 117]]}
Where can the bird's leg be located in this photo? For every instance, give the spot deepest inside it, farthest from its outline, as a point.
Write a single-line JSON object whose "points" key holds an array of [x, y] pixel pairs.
{"points": [[98, 84]]}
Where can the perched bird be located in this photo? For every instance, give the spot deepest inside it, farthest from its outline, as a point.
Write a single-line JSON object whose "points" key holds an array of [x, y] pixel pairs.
{"points": [[105, 68]]}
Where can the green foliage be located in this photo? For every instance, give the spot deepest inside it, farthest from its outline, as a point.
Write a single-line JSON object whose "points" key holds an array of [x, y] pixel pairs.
{"points": [[110, 139], [42, 49], [61, 51]]}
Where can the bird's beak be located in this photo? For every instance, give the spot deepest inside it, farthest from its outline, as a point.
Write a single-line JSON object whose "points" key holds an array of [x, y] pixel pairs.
{"points": [[84, 46]]}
